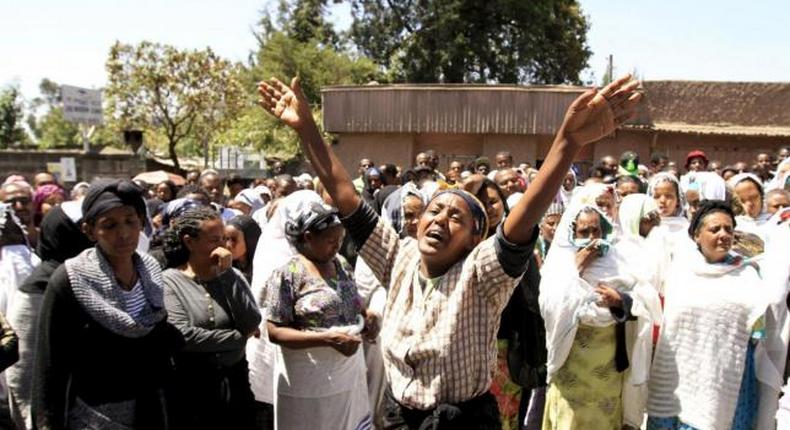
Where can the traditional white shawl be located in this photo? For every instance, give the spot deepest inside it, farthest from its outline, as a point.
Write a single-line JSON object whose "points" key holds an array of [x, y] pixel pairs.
{"points": [[567, 299], [709, 313]]}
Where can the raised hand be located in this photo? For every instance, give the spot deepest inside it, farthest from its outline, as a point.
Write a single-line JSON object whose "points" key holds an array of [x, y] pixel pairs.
{"points": [[286, 103], [596, 113]]}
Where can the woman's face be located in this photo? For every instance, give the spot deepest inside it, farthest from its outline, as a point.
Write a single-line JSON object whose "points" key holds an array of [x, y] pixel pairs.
{"points": [[164, 193], [322, 247], [234, 242], [588, 226], [495, 208], [211, 237], [714, 237], [605, 202], [666, 198], [569, 183], [697, 164], [445, 232], [412, 210], [692, 203], [750, 198], [116, 231], [549, 226]]}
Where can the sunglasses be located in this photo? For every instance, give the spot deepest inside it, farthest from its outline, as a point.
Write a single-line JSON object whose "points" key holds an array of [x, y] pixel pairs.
{"points": [[15, 200]]}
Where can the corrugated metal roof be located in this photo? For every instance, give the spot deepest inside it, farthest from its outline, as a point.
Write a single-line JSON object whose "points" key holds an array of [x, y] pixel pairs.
{"points": [[467, 109], [717, 129]]}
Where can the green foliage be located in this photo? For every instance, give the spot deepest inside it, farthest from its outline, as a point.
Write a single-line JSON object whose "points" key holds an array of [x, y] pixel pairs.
{"points": [[504, 41], [184, 95], [54, 131], [11, 118], [299, 45]]}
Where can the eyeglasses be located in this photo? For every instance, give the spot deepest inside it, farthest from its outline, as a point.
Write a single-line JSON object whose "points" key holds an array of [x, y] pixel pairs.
{"points": [[24, 201]]}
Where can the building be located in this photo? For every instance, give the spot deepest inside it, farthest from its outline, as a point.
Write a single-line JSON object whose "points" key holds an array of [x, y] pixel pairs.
{"points": [[730, 121]]}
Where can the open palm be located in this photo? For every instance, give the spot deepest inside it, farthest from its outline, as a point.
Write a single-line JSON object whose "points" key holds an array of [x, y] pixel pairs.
{"points": [[286, 103], [596, 113]]}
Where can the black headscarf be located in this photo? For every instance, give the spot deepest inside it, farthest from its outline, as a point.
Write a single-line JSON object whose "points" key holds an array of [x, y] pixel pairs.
{"points": [[60, 239], [252, 232], [107, 194], [317, 219]]}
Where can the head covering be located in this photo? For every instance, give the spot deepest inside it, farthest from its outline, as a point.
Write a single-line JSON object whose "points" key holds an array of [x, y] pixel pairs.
{"points": [[476, 208], [44, 192], [252, 232], [566, 195], [317, 218], [629, 163], [695, 154], [61, 237], [109, 194], [780, 179], [633, 209], [740, 177], [250, 197], [177, 207], [661, 177], [278, 249], [709, 185], [16, 179], [392, 209]]}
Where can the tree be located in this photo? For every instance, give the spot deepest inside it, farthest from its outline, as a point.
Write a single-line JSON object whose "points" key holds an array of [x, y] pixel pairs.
{"points": [[295, 45], [181, 94], [11, 118], [504, 41]]}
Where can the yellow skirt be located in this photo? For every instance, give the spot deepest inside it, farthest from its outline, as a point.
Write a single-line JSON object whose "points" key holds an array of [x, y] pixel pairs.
{"points": [[586, 393]]}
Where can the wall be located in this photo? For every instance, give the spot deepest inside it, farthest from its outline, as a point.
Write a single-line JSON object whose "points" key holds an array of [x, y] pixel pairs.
{"points": [[89, 166]]}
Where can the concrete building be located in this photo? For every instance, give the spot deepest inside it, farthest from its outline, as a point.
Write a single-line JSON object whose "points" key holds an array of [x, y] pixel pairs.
{"points": [[730, 121]]}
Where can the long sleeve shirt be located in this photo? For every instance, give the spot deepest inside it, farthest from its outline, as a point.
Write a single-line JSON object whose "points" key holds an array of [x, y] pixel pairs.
{"points": [[439, 343]]}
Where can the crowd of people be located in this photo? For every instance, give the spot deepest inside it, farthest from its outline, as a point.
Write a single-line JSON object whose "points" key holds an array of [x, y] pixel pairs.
{"points": [[626, 296]]}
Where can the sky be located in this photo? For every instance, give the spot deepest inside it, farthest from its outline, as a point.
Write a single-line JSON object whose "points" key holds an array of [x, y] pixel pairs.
{"points": [[68, 41]]}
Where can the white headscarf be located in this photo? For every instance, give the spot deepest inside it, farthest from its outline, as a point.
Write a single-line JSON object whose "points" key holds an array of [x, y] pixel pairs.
{"points": [[780, 177], [568, 299], [633, 208], [709, 185], [661, 177]]}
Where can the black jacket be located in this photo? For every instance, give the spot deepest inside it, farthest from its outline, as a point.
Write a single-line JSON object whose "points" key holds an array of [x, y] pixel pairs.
{"points": [[77, 357]]}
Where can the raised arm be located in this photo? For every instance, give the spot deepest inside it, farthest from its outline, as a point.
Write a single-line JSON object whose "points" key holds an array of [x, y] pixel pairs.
{"points": [[292, 108], [592, 116]]}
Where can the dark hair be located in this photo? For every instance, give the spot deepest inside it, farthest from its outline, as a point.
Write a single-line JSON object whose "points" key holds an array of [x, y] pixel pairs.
{"points": [[192, 189], [657, 158], [707, 207], [389, 170], [188, 223], [251, 231], [235, 179], [171, 185]]}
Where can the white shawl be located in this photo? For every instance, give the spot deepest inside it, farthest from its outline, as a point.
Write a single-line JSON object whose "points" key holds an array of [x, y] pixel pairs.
{"points": [[567, 299], [709, 313]]}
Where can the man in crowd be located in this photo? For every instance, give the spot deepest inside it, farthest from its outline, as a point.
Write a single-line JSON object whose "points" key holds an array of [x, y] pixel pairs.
{"points": [[20, 197], [364, 165]]}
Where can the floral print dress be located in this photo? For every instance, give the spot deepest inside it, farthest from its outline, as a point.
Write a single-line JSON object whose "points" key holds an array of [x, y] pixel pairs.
{"points": [[301, 300]]}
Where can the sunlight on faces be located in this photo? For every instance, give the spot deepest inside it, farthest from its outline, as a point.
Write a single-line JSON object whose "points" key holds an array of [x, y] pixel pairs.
{"points": [[412, 211], [605, 202], [627, 188], [116, 231], [714, 236], [666, 198], [588, 226], [569, 183], [692, 200], [495, 208], [549, 226], [211, 237], [507, 180], [445, 232], [750, 198], [776, 201], [235, 243]]}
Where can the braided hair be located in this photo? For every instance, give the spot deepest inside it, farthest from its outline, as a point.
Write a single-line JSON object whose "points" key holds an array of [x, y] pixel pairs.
{"points": [[189, 223]]}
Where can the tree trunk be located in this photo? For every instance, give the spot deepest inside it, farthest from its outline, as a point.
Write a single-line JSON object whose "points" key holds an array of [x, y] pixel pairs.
{"points": [[171, 147]]}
